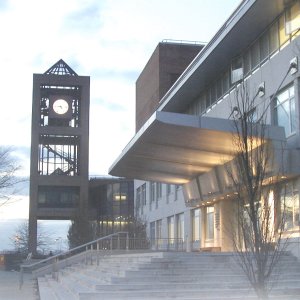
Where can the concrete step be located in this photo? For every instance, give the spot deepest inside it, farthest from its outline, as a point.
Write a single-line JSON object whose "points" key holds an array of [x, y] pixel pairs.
{"points": [[184, 294], [45, 290], [169, 286], [174, 294], [61, 292], [184, 276]]}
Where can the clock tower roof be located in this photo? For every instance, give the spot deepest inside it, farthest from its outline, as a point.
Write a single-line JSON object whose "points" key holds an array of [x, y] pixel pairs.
{"points": [[61, 68]]}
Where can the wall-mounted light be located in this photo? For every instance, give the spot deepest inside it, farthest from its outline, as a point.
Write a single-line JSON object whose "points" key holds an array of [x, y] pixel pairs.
{"points": [[294, 65], [261, 89]]}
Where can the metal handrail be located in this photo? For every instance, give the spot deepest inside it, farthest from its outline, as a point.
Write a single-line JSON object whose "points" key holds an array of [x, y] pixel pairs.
{"points": [[55, 258]]}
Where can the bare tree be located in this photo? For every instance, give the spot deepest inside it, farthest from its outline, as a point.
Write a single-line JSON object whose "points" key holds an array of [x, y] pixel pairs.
{"points": [[257, 232], [8, 179], [20, 239]]}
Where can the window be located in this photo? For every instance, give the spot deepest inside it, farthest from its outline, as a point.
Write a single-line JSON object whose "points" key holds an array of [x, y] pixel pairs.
{"points": [[264, 46], [247, 62], [226, 83], [207, 98], [274, 38], [152, 233], [171, 229], [152, 193], [219, 88], [58, 197], [290, 206], [168, 191], [283, 37], [213, 93], [255, 55], [158, 190], [180, 226], [176, 191], [158, 229], [196, 224], [143, 194], [292, 18], [285, 110], [210, 222], [138, 198], [237, 69]]}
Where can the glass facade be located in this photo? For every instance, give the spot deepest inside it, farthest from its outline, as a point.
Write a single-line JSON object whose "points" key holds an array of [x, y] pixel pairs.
{"points": [[114, 203], [290, 206]]}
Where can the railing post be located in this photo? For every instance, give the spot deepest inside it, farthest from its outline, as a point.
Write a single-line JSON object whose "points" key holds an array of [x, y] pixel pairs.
{"points": [[127, 241], [92, 254], [85, 256], [21, 277], [98, 253], [54, 269], [111, 243], [118, 246]]}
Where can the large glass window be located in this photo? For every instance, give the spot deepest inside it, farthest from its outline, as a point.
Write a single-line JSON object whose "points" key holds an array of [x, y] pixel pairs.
{"points": [[138, 198], [285, 110], [152, 233], [283, 37], [159, 229], [180, 226], [143, 195], [264, 46], [290, 206], [58, 197], [292, 18], [176, 191], [171, 234], [210, 222], [158, 190], [58, 155], [274, 38], [237, 69], [152, 193], [255, 55]]}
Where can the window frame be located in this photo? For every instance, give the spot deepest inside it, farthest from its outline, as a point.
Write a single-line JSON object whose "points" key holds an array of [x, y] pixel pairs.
{"points": [[291, 101]]}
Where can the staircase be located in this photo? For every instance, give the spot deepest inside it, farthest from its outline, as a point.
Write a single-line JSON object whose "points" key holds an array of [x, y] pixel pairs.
{"points": [[164, 275]]}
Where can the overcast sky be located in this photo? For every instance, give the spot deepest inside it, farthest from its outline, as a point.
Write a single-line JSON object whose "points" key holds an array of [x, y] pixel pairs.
{"points": [[108, 40]]}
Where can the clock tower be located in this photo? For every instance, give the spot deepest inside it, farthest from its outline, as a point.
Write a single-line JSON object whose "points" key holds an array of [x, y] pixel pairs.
{"points": [[59, 147]]}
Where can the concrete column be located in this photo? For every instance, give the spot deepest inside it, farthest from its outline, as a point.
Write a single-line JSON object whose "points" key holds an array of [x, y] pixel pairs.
{"points": [[217, 225], [227, 222], [203, 235], [188, 229], [32, 230]]}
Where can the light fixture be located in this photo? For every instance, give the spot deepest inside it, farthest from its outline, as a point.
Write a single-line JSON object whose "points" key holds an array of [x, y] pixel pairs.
{"points": [[261, 89], [294, 65]]}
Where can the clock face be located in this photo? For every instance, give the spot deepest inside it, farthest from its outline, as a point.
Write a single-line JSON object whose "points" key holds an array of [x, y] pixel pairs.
{"points": [[60, 106]]}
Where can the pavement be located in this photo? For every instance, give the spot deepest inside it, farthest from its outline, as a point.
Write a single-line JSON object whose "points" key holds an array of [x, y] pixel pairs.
{"points": [[9, 286]]}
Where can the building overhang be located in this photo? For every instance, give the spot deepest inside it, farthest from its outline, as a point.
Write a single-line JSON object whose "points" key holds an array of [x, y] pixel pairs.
{"points": [[175, 148]]}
